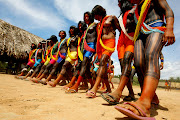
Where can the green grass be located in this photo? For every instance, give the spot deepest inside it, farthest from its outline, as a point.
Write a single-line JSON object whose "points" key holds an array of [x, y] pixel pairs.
{"points": [[136, 82], [3, 65]]}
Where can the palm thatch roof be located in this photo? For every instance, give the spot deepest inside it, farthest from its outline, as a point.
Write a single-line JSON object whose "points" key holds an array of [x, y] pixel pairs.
{"points": [[15, 41]]}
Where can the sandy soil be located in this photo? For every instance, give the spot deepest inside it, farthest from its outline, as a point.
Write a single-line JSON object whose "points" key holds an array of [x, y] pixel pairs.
{"points": [[24, 100]]}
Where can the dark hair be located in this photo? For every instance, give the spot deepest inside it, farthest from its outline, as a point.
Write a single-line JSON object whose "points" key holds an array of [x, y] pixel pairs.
{"points": [[43, 41], [111, 62], [84, 27], [40, 45], [125, 5], [91, 17], [98, 10], [63, 31], [34, 47], [53, 38], [33, 44], [75, 30]]}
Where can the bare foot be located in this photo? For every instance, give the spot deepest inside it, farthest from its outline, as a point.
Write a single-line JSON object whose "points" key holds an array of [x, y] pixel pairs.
{"points": [[52, 84], [69, 90], [73, 90], [91, 94], [35, 80], [67, 86], [115, 95], [23, 77], [30, 79], [139, 108], [43, 82], [17, 76]]}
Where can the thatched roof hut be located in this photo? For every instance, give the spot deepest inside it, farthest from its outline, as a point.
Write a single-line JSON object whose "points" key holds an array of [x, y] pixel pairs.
{"points": [[14, 41]]}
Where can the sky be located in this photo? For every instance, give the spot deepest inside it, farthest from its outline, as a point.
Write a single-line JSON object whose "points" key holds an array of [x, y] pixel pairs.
{"points": [[47, 17]]}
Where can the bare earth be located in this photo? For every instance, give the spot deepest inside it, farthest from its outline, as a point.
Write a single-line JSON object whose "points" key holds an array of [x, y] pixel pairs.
{"points": [[24, 100]]}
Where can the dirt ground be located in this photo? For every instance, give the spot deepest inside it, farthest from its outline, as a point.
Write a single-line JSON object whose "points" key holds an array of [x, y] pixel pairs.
{"points": [[24, 100]]}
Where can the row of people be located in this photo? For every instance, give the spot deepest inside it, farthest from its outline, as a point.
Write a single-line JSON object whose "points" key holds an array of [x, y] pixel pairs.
{"points": [[143, 33], [82, 65]]}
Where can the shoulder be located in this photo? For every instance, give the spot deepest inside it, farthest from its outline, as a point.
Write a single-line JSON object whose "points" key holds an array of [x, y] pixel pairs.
{"points": [[112, 17]]}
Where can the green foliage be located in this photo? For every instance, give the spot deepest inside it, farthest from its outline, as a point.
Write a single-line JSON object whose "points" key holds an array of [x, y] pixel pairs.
{"points": [[3, 65], [117, 76], [135, 80], [172, 79]]}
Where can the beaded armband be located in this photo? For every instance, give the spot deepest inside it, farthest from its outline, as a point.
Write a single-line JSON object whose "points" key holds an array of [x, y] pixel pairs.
{"points": [[162, 60]]}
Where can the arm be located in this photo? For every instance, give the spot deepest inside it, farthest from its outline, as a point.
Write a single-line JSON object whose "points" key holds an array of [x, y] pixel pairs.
{"points": [[113, 72], [168, 37], [116, 23]]}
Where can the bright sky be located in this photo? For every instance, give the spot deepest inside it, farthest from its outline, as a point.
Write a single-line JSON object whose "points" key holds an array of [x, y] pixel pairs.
{"points": [[47, 17]]}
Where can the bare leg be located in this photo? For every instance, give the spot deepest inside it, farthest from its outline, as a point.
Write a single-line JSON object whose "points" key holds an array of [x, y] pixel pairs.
{"points": [[85, 64], [103, 86], [47, 80], [55, 66], [23, 70], [66, 65], [130, 97], [108, 88], [29, 73], [53, 84], [101, 73], [152, 74], [33, 75], [44, 74], [91, 82], [126, 71], [71, 83], [41, 71], [37, 69], [110, 81], [74, 78]]}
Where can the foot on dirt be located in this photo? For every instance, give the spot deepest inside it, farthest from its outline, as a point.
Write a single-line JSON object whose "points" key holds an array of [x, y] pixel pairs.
{"points": [[52, 84], [136, 110]]}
